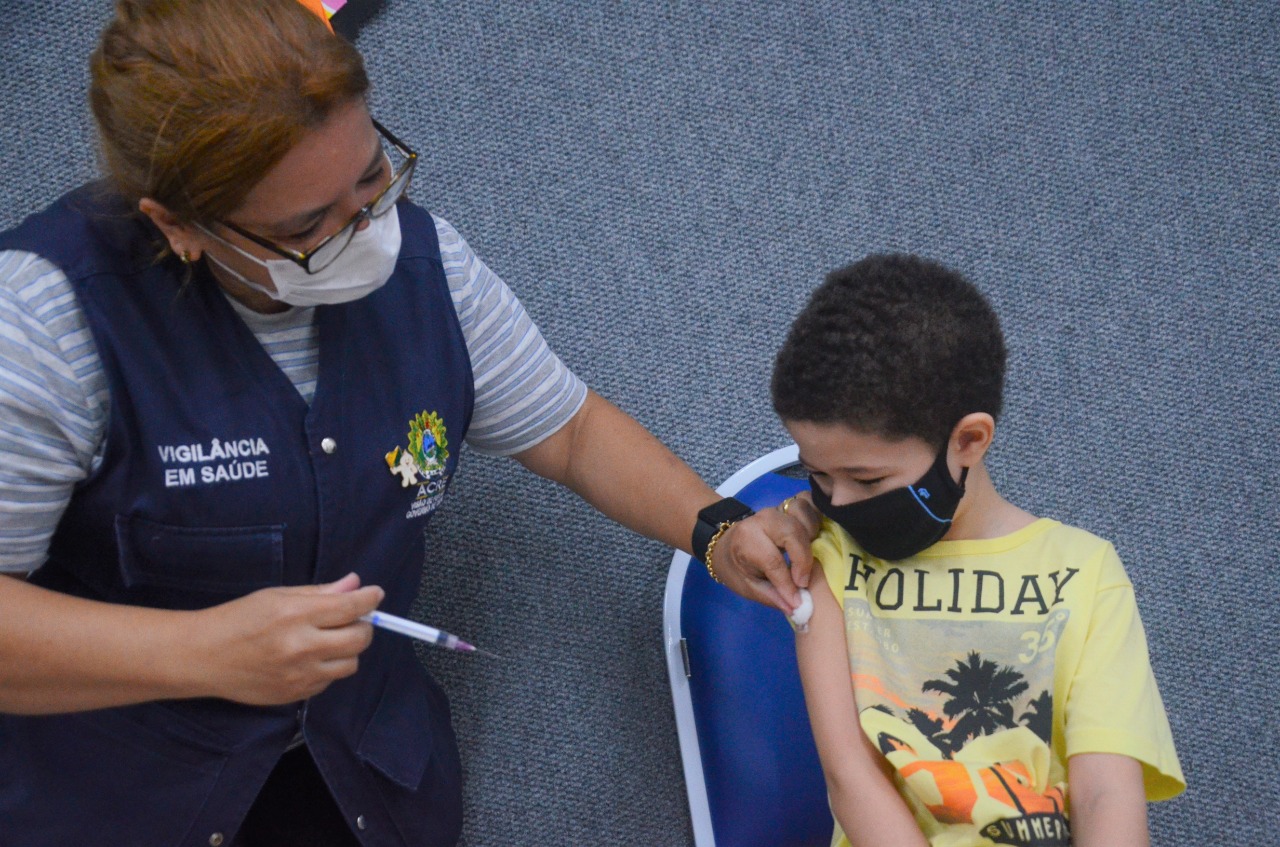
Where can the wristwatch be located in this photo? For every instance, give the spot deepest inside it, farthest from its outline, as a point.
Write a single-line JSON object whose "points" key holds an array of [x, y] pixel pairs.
{"points": [[712, 518]]}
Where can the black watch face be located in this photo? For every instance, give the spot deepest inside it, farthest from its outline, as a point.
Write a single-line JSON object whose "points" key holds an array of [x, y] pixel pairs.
{"points": [[727, 509]]}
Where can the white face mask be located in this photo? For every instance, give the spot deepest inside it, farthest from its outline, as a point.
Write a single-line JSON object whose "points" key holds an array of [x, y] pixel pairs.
{"points": [[361, 269]]}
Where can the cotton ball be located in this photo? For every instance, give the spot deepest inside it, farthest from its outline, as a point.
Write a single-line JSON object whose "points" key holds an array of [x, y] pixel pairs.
{"points": [[800, 617]]}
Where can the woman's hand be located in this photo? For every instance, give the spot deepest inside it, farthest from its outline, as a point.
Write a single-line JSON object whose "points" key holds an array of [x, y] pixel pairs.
{"points": [[279, 645], [749, 558], [60, 653]]}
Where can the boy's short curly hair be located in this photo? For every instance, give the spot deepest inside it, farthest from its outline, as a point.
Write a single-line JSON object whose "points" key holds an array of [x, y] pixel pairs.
{"points": [[895, 345]]}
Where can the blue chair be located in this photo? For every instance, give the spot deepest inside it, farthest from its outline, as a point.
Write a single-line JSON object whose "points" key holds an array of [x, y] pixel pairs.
{"points": [[750, 765]]}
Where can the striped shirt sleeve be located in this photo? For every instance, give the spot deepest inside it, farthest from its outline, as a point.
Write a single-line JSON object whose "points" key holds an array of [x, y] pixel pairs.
{"points": [[53, 405], [524, 392]]}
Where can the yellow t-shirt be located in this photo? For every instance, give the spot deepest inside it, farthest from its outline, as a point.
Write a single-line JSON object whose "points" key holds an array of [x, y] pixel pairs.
{"points": [[979, 667]]}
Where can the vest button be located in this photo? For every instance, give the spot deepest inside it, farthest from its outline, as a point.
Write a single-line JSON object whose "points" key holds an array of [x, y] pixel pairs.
{"points": [[328, 445], [215, 840], [360, 824]]}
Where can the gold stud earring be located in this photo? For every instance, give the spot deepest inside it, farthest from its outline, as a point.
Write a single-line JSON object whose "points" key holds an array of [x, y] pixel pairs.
{"points": [[186, 257]]}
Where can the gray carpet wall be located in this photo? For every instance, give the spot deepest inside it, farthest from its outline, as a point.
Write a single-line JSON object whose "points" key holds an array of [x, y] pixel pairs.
{"points": [[664, 183]]}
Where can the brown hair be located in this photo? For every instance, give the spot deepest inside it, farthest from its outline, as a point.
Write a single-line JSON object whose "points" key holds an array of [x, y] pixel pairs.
{"points": [[196, 100]]}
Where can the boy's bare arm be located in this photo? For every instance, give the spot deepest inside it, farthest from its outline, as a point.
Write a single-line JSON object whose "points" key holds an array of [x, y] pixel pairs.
{"points": [[863, 796], [1108, 801]]}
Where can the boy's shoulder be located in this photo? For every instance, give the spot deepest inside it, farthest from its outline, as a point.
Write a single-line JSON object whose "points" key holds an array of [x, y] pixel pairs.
{"points": [[1093, 557], [1062, 534]]}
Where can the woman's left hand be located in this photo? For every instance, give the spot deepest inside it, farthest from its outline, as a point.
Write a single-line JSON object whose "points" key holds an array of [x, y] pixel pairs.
{"points": [[749, 559]]}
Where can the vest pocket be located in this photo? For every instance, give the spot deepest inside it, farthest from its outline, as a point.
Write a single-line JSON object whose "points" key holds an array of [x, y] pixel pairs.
{"points": [[226, 561], [397, 742], [410, 747]]}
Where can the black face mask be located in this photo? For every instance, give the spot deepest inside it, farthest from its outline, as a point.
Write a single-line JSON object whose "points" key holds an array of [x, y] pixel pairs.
{"points": [[904, 521]]}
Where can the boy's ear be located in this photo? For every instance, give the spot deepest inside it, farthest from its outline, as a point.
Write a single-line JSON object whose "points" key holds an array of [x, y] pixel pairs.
{"points": [[972, 437]]}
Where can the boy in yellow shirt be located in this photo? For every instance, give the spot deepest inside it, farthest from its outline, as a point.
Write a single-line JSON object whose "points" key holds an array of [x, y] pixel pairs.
{"points": [[974, 675]]}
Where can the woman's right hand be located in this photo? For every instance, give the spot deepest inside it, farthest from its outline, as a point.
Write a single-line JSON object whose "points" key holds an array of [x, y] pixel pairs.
{"points": [[280, 645]]}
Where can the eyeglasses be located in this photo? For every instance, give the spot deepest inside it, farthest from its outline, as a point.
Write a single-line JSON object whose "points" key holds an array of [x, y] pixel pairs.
{"points": [[323, 254]]}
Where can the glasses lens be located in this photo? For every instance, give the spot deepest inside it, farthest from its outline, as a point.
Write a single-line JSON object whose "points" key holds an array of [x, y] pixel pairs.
{"points": [[326, 253], [331, 249], [393, 193]]}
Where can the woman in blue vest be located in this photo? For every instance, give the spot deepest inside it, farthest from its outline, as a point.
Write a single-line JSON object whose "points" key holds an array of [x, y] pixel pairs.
{"points": [[236, 368]]}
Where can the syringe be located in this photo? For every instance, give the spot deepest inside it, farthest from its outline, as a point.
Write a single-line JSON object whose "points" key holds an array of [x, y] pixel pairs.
{"points": [[420, 631]]}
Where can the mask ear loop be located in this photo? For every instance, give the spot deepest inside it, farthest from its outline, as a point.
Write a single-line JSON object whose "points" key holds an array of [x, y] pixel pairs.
{"points": [[941, 468]]}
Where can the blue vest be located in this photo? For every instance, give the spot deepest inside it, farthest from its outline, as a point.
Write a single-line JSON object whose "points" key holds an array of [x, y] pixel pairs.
{"points": [[218, 480]]}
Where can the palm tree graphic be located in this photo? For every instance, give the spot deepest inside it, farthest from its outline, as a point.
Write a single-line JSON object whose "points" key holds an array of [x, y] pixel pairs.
{"points": [[1039, 716], [933, 729], [981, 695]]}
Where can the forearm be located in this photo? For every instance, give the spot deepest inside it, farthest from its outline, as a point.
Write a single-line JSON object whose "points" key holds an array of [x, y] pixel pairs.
{"points": [[872, 814], [617, 466], [614, 464], [62, 654], [1108, 801]]}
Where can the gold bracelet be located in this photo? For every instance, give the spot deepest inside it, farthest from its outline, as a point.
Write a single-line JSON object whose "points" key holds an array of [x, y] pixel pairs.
{"points": [[711, 547]]}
